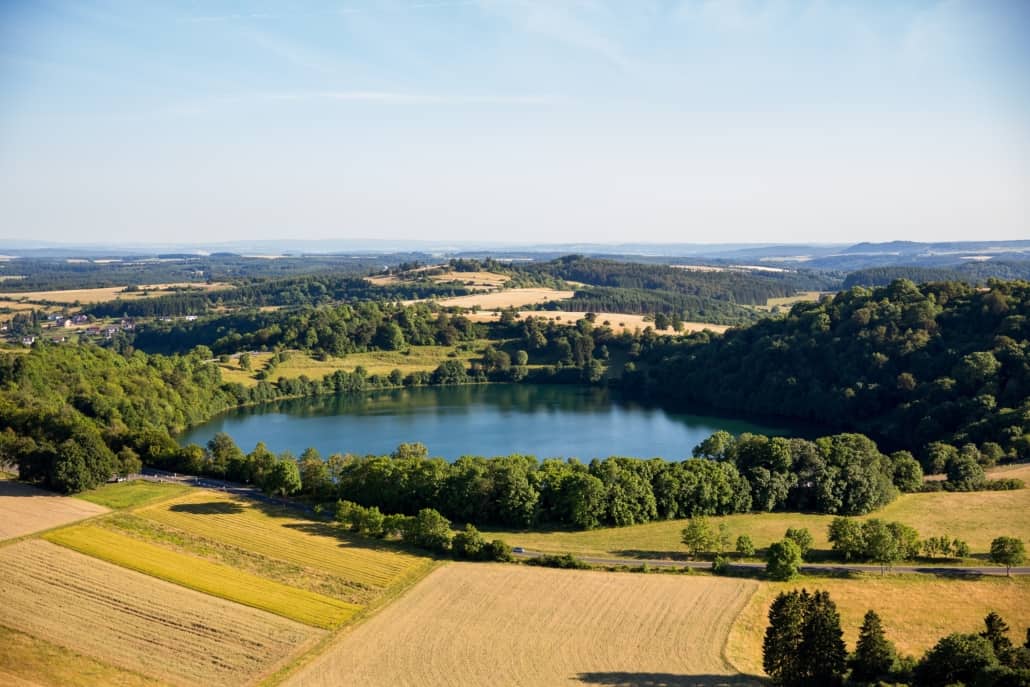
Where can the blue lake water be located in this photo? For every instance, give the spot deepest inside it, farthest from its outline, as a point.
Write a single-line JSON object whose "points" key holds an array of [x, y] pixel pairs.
{"points": [[484, 420]]}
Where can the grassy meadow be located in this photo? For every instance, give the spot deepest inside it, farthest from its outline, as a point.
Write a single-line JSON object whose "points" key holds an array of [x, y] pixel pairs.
{"points": [[976, 517], [412, 359], [282, 535], [122, 495]]}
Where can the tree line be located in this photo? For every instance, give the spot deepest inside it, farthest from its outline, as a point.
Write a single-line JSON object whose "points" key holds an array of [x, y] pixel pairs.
{"points": [[846, 474]]}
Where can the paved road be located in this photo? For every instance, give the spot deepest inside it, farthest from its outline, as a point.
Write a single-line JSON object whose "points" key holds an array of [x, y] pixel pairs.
{"points": [[809, 568], [253, 493]]}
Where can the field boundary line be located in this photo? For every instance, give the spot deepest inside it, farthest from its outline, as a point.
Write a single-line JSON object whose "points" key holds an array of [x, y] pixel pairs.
{"points": [[349, 625]]}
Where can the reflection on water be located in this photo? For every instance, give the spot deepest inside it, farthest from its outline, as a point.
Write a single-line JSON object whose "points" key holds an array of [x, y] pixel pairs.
{"points": [[488, 420]]}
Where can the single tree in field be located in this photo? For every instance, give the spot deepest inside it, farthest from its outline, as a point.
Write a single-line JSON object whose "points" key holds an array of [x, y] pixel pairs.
{"points": [[723, 537], [745, 547], [698, 536], [783, 560], [823, 654], [874, 654], [1008, 551], [996, 632], [800, 536], [880, 543]]}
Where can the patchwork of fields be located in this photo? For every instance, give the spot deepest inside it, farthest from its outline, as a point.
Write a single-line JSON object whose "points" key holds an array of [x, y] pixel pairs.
{"points": [[619, 322], [205, 576], [481, 624], [138, 622], [192, 588], [284, 536]]}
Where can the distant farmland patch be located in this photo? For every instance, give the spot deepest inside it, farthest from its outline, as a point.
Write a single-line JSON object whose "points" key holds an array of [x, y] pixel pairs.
{"points": [[110, 293], [25, 509], [140, 623], [619, 322], [509, 298], [483, 624]]}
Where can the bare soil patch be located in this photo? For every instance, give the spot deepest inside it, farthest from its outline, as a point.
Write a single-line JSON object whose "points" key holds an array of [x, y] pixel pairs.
{"points": [[25, 509]]}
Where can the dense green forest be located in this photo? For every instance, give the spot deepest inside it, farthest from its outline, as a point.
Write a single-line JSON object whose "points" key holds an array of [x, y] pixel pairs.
{"points": [[50, 274], [727, 285], [914, 365], [974, 272]]}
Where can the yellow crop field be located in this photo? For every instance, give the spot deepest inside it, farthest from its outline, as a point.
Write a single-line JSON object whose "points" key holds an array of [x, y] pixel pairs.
{"points": [[917, 610], [484, 624], [25, 509], [280, 534], [204, 576], [140, 623]]}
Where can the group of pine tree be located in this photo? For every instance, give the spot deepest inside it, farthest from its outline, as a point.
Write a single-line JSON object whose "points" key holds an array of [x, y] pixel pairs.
{"points": [[804, 647]]}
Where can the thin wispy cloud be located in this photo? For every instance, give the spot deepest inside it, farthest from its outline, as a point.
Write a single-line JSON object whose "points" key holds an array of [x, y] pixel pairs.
{"points": [[405, 98]]}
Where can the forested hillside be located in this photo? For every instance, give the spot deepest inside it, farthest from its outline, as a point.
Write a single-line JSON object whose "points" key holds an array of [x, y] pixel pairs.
{"points": [[911, 364], [975, 272]]}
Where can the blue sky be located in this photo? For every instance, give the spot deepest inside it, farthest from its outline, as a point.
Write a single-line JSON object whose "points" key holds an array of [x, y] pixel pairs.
{"points": [[516, 120]]}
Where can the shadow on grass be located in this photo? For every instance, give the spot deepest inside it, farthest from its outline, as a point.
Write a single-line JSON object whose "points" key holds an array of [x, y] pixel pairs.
{"points": [[346, 538], [628, 679], [662, 555], [209, 508]]}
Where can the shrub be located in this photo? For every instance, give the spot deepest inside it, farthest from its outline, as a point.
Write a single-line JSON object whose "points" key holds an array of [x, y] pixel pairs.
{"points": [[565, 560]]}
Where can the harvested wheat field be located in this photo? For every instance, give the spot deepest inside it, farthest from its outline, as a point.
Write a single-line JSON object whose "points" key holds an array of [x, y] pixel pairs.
{"points": [[205, 576], [140, 623], [510, 298], [282, 535], [25, 509], [482, 624], [619, 322]]}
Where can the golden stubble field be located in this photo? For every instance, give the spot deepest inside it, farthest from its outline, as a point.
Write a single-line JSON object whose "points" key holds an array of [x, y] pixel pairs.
{"points": [[917, 610], [139, 623], [109, 293], [508, 298], [618, 322], [482, 624], [25, 509]]}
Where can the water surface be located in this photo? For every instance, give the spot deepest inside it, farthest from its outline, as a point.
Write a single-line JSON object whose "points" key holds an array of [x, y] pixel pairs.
{"points": [[485, 420]]}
